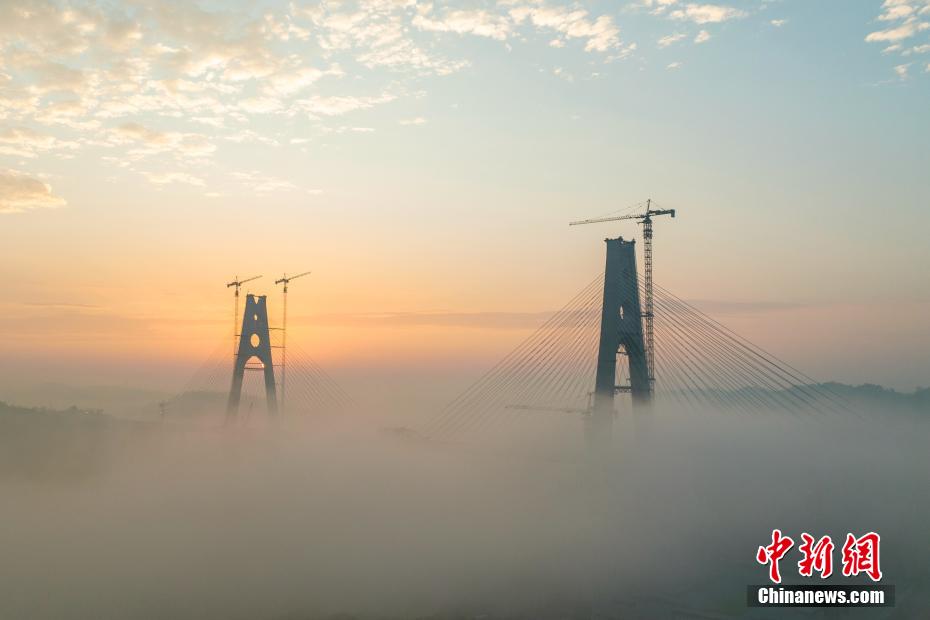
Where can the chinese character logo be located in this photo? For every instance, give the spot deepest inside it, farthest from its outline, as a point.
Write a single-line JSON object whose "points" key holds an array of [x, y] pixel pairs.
{"points": [[773, 553], [860, 555], [817, 557]]}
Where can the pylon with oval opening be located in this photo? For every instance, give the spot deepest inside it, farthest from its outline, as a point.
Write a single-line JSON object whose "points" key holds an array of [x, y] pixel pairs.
{"points": [[254, 342]]}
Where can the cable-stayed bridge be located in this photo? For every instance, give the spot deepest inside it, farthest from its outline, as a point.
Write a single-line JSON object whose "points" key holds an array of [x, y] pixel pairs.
{"points": [[310, 390], [604, 350], [590, 357], [699, 364], [623, 335]]}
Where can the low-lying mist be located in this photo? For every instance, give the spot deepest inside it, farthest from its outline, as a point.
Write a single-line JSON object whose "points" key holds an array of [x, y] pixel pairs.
{"points": [[314, 517]]}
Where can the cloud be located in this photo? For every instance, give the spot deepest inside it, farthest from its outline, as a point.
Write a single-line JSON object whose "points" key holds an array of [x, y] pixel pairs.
{"points": [[917, 49], [79, 66], [656, 7], [898, 33], [778, 23], [153, 142], [20, 192], [702, 37], [339, 105], [900, 9], [141, 133], [25, 142], [601, 33], [207, 64], [559, 72], [175, 80], [284, 28], [220, 43], [476, 22], [418, 120], [261, 183], [248, 136], [670, 39], [706, 13], [293, 81], [673, 65], [376, 33], [260, 105], [169, 178], [907, 21], [51, 29], [49, 76]]}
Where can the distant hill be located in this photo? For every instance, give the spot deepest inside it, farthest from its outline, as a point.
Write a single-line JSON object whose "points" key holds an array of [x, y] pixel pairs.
{"points": [[113, 399], [39, 443], [117, 401], [876, 395], [195, 404], [865, 399]]}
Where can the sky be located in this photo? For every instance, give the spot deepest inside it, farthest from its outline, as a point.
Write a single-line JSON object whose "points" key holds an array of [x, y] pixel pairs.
{"points": [[423, 159]]}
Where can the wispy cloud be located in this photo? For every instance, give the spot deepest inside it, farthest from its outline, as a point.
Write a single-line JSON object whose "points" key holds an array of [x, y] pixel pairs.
{"points": [[25, 142], [145, 141], [21, 192], [170, 178], [476, 22], [262, 183], [317, 105], [168, 85], [600, 33], [898, 33], [706, 13], [670, 39], [902, 20], [924, 48], [697, 13]]}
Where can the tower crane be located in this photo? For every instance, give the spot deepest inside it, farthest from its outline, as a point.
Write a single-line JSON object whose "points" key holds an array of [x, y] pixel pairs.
{"points": [[237, 283], [645, 218], [285, 280]]}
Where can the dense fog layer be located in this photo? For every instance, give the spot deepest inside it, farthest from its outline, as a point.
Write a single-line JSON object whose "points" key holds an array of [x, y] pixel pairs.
{"points": [[326, 516]]}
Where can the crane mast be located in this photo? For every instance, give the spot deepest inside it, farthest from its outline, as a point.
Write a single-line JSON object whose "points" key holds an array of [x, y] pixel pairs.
{"points": [[285, 280], [648, 313]]}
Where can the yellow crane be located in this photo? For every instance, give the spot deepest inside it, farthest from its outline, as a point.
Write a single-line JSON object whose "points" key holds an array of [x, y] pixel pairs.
{"points": [[237, 283], [645, 218], [285, 280]]}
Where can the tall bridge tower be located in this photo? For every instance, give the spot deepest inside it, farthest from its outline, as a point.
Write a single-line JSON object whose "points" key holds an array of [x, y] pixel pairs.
{"points": [[254, 342], [621, 334]]}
